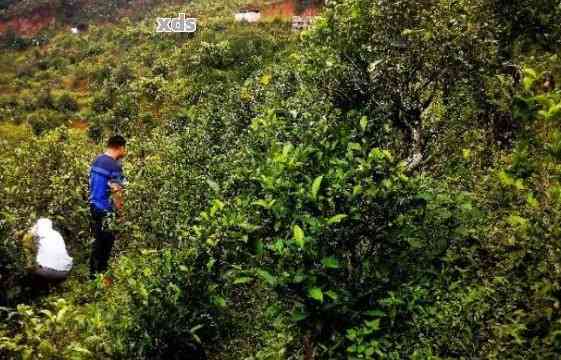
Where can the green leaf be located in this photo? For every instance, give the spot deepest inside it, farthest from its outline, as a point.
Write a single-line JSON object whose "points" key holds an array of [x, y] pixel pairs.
{"points": [[298, 278], [354, 146], [517, 221], [267, 204], [330, 262], [60, 314], [265, 275], [427, 196], [242, 280], [332, 294], [505, 179], [81, 350], [278, 246], [287, 148], [415, 243], [195, 328], [531, 199], [376, 154], [298, 235], [554, 112], [210, 264], [193, 332], [259, 248], [336, 219], [467, 206], [298, 316], [213, 185], [216, 205], [373, 324], [528, 82], [407, 32], [219, 301], [316, 294], [531, 73], [363, 123], [315, 187], [375, 313]]}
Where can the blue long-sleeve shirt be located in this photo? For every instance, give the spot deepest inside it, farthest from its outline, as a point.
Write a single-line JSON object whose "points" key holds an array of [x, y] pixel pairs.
{"points": [[104, 170]]}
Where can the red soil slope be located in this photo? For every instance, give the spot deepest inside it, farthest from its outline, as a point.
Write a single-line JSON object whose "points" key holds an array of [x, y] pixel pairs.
{"points": [[29, 25], [288, 8]]}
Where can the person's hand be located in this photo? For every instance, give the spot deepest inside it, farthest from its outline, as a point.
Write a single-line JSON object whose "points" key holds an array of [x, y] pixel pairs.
{"points": [[115, 187], [117, 192]]}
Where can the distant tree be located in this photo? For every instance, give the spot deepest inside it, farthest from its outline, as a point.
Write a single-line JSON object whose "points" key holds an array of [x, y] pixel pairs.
{"points": [[69, 8], [302, 5], [11, 40]]}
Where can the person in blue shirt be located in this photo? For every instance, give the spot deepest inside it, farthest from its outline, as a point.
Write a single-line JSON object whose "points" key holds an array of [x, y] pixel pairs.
{"points": [[105, 198]]}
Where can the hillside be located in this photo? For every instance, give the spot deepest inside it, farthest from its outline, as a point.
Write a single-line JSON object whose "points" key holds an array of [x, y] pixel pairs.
{"points": [[68, 11], [384, 184]]}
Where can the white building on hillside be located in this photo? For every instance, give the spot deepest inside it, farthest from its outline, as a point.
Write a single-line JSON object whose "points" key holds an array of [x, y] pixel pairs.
{"points": [[248, 14]]}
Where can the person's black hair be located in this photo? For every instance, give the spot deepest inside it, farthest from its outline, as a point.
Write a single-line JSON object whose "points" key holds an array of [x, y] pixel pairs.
{"points": [[116, 141]]}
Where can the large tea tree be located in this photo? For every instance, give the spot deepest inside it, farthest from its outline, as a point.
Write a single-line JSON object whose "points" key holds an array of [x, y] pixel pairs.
{"points": [[327, 219], [397, 60]]}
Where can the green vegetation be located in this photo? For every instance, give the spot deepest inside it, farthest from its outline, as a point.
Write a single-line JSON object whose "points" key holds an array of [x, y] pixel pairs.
{"points": [[385, 184]]}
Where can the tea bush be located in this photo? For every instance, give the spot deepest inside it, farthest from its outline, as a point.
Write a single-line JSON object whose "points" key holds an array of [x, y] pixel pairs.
{"points": [[66, 103], [152, 290], [52, 183]]}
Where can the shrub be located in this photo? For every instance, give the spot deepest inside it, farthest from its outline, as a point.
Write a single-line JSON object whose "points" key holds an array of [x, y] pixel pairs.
{"points": [[53, 333], [25, 70], [8, 101], [100, 73], [123, 74], [45, 100], [62, 156], [13, 134], [66, 103], [157, 307], [43, 120], [95, 129], [217, 55], [160, 307], [13, 278], [11, 40], [126, 108]]}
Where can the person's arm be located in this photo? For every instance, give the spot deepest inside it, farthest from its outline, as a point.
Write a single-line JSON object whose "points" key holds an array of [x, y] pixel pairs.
{"points": [[117, 195], [116, 183]]}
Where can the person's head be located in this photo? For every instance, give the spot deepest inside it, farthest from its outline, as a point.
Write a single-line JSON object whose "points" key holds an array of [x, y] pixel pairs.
{"points": [[116, 145]]}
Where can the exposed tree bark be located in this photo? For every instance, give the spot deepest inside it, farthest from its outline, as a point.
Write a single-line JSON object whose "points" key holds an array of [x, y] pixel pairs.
{"points": [[416, 140], [308, 348]]}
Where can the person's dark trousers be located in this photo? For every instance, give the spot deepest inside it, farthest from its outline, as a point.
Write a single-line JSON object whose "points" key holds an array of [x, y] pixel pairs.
{"points": [[44, 279], [103, 243]]}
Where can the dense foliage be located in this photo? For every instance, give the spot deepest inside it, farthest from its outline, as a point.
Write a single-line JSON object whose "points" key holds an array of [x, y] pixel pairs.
{"points": [[70, 10], [385, 184]]}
